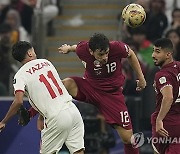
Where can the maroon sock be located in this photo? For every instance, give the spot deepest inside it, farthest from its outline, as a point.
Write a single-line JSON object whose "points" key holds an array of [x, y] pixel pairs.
{"points": [[32, 112], [128, 149]]}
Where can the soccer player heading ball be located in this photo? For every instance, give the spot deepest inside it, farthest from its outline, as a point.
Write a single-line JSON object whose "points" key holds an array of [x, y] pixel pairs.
{"points": [[103, 80]]}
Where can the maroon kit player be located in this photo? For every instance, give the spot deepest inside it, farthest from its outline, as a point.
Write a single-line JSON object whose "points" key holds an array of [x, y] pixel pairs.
{"points": [[103, 80], [166, 118]]}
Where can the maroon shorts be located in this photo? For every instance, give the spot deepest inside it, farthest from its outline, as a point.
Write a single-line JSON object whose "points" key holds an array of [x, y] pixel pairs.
{"points": [[110, 104], [171, 145]]}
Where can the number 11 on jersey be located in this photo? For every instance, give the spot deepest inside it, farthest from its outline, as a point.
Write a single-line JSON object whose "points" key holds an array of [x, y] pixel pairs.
{"points": [[43, 79]]}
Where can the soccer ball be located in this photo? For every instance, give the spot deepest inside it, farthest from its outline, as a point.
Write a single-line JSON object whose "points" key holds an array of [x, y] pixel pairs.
{"points": [[134, 15]]}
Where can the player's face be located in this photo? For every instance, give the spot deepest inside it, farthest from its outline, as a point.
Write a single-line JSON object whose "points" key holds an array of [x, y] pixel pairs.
{"points": [[101, 56], [159, 56]]}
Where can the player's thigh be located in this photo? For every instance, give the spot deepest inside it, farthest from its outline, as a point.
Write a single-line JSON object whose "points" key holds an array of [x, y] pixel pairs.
{"points": [[125, 134], [71, 86], [53, 137], [75, 139]]}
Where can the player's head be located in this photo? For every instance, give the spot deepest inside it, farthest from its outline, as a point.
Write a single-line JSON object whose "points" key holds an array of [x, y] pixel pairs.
{"points": [[162, 51], [99, 47], [23, 51]]}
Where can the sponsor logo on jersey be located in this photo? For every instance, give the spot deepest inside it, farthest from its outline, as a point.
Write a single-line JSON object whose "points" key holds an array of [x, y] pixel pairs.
{"points": [[96, 69]]}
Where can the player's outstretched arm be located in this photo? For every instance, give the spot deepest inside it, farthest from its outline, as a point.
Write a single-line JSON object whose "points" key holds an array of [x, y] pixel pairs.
{"points": [[133, 61], [67, 48], [18, 101], [167, 101]]}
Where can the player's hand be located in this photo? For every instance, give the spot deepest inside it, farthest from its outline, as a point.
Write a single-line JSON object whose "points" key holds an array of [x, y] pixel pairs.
{"points": [[23, 116], [160, 129], [141, 84], [64, 48], [2, 126], [40, 123]]}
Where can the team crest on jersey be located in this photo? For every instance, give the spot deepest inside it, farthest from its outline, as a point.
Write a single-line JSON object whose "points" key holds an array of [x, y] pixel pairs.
{"points": [[14, 81], [97, 63], [162, 80]]}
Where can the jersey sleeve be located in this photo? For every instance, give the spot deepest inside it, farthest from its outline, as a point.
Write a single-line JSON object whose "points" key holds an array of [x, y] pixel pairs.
{"points": [[81, 49], [162, 80], [123, 49], [18, 83]]}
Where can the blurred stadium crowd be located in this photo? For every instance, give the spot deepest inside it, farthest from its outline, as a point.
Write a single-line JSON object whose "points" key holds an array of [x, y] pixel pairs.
{"points": [[17, 18], [163, 20]]}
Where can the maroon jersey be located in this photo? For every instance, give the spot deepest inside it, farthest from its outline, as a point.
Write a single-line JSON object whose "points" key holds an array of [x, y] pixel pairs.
{"points": [[169, 75], [107, 77]]}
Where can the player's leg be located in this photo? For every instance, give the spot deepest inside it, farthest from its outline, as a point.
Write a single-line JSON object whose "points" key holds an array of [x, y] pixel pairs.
{"points": [[154, 146], [158, 147], [51, 139], [56, 131], [75, 139], [126, 139], [71, 86]]}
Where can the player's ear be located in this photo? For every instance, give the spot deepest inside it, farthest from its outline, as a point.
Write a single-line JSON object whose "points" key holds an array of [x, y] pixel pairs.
{"points": [[91, 52], [169, 54], [29, 53]]}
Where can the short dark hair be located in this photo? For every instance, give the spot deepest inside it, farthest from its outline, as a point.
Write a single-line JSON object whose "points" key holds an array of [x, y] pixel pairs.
{"points": [[20, 49], [164, 43], [99, 41]]}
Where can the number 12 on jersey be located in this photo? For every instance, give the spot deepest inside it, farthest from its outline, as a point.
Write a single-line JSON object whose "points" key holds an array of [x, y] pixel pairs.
{"points": [[124, 117], [44, 80]]}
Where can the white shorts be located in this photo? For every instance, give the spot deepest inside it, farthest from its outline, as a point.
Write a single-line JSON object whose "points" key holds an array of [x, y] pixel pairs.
{"points": [[67, 127]]}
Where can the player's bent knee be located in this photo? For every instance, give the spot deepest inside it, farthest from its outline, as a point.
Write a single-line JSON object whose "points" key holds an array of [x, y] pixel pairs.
{"points": [[67, 82], [70, 85]]}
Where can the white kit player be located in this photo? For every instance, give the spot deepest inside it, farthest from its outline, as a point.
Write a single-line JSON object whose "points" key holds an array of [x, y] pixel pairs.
{"points": [[39, 80]]}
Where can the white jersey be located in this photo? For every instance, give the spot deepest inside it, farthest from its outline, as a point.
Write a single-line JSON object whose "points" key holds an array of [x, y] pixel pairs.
{"points": [[42, 84]]}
